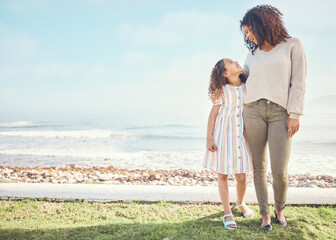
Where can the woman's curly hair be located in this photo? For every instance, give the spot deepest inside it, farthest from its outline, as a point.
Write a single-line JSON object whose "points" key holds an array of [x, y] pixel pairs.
{"points": [[266, 24], [217, 79]]}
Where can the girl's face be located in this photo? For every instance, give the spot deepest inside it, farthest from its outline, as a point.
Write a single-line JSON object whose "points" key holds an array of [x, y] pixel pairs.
{"points": [[232, 67], [249, 34]]}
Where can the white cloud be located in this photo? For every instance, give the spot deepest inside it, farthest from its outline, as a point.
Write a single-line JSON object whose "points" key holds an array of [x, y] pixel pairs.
{"points": [[134, 57], [17, 54], [59, 89], [179, 27], [179, 88], [20, 6], [16, 47], [54, 72]]}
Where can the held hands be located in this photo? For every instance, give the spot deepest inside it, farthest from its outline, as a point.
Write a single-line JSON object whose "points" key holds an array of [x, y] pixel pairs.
{"points": [[293, 126], [210, 144]]}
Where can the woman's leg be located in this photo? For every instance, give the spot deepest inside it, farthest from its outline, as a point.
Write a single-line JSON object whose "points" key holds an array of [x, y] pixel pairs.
{"points": [[279, 148], [256, 135], [223, 188]]}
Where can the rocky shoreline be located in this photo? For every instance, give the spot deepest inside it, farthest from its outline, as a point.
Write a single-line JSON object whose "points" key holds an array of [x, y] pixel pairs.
{"points": [[113, 175]]}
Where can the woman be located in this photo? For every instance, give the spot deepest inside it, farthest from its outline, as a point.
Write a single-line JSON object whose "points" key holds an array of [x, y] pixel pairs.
{"points": [[273, 101]]}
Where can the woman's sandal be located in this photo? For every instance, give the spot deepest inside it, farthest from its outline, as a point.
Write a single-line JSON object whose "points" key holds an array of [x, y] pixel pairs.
{"points": [[283, 223], [248, 213], [226, 224], [267, 227]]}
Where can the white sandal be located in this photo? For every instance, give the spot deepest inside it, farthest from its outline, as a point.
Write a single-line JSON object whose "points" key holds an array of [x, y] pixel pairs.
{"points": [[226, 224], [248, 213]]}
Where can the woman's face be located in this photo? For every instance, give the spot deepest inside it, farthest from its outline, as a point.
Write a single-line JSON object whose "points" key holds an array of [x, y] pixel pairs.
{"points": [[249, 34]]}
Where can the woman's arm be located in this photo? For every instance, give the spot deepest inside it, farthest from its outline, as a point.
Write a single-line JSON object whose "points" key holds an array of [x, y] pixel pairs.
{"points": [[211, 123], [297, 87], [297, 81]]}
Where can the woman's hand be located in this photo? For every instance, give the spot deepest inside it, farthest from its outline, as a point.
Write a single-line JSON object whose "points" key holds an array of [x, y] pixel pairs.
{"points": [[214, 96], [293, 126], [211, 145]]}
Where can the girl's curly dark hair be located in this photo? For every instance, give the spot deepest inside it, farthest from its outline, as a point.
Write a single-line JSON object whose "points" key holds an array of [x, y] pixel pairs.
{"points": [[266, 24], [217, 79]]}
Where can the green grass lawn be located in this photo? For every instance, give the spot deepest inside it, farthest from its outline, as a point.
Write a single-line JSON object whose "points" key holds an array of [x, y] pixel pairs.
{"points": [[29, 219]]}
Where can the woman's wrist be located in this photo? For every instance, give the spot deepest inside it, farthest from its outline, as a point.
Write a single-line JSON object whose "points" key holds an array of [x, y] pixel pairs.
{"points": [[294, 116]]}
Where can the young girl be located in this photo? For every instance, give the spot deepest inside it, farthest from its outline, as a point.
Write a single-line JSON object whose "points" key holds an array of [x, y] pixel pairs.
{"points": [[227, 151]]}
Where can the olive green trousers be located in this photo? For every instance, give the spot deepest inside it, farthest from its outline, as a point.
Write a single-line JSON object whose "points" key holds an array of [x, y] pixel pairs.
{"points": [[266, 122]]}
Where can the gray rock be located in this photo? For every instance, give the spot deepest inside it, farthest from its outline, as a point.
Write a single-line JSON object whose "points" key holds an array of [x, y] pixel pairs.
{"points": [[314, 182], [171, 182], [71, 180]]}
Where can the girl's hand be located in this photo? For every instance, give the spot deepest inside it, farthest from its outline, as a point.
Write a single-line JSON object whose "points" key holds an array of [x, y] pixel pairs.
{"points": [[293, 126], [211, 145]]}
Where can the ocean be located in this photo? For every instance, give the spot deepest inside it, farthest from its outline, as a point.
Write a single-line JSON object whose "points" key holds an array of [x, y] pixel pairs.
{"points": [[154, 144]]}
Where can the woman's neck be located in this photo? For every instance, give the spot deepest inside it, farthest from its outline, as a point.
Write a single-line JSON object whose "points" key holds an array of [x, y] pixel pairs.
{"points": [[267, 47]]}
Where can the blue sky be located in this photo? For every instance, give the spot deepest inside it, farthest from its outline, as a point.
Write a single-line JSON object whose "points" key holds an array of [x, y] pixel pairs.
{"points": [[88, 59]]}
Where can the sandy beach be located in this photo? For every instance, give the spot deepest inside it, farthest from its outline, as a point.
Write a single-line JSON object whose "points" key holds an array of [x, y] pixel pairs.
{"points": [[112, 175]]}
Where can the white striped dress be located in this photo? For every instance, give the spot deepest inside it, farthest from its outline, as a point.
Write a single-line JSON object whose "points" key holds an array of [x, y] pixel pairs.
{"points": [[232, 155]]}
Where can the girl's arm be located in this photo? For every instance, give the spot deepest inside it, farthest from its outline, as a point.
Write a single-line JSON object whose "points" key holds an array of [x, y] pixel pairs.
{"points": [[211, 123]]}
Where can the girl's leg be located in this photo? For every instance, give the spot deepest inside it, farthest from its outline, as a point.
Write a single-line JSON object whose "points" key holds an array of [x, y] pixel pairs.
{"points": [[241, 187], [223, 188], [241, 190]]}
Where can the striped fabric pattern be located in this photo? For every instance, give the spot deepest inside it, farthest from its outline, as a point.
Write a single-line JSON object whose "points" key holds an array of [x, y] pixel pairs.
{"points": [[232, 155]]}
